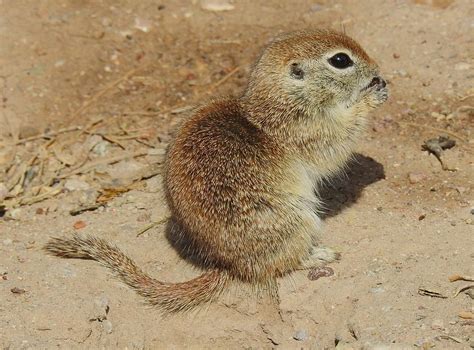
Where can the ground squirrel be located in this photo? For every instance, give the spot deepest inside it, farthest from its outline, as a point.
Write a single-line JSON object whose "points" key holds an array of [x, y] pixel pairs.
{"points": [[241, 176]]}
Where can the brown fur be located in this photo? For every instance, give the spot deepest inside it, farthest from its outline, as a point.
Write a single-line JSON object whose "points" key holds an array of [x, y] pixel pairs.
{"points": [[241, 173]]}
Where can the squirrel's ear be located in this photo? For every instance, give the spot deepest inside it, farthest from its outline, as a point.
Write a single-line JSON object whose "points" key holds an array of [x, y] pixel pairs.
{"points": [[296, 71]]}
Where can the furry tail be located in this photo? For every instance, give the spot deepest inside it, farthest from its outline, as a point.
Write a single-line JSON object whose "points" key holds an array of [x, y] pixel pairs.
{"points": [[170, 297]]}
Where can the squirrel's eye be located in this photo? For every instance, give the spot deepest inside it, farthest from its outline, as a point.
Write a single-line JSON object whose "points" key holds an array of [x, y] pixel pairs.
{"points": [[296, 71], [340, 61]]}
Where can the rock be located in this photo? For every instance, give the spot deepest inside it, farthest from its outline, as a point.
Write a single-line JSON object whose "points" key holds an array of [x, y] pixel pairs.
{"points": [[7, 241], [68, 272], [78, 225], [320, 271], [142, 24], [462, 66], [414, 178], [216, 5], [75, 184], [126, 169], [59, 63], [107, 326], [301, 335], [15, 214], [377, 290], [144, 217]]}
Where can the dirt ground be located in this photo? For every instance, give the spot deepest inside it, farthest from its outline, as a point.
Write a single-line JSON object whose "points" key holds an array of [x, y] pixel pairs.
{"points": [[91, 94]]}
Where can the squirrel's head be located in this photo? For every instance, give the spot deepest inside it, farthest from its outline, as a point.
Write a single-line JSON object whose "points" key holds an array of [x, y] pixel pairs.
{"points": [[314, 73]]}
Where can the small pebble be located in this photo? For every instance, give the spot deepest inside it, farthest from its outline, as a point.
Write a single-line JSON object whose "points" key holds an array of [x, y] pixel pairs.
{"points": [[15, 213], [16, 290], [107, 326], [59, 63], [414, 178], [216, 5], [462, 66], [79, 225], [40, 211], [318, 272], [301, 335], [437, 324], [377, 290], [76, 185], [143, 24]]}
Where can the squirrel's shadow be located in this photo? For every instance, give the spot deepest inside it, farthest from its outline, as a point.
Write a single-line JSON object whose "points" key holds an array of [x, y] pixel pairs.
{"points": [[343, 191], [337, 194]]}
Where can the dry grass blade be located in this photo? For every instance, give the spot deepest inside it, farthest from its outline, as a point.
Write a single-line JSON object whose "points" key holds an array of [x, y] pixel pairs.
{"points": [[150, 226], [449, 337], [27, 200], [463, 289], [223, 80], [108, 138], [103, 161], [47, 135], [17, 176]]}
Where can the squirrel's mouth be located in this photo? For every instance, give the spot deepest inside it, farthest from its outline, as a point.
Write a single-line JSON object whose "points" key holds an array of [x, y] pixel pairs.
{"points": [[376, 82]]}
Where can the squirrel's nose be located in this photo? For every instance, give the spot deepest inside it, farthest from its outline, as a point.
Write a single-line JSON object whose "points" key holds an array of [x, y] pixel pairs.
{"points": [[378, 81]]}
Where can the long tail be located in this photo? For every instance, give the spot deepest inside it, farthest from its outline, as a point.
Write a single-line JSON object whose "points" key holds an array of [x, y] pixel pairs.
{"points": [[169, 297]]}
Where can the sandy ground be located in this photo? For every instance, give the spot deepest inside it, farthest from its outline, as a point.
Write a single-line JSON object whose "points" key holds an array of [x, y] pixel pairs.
{"points": [[129, 70]]}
